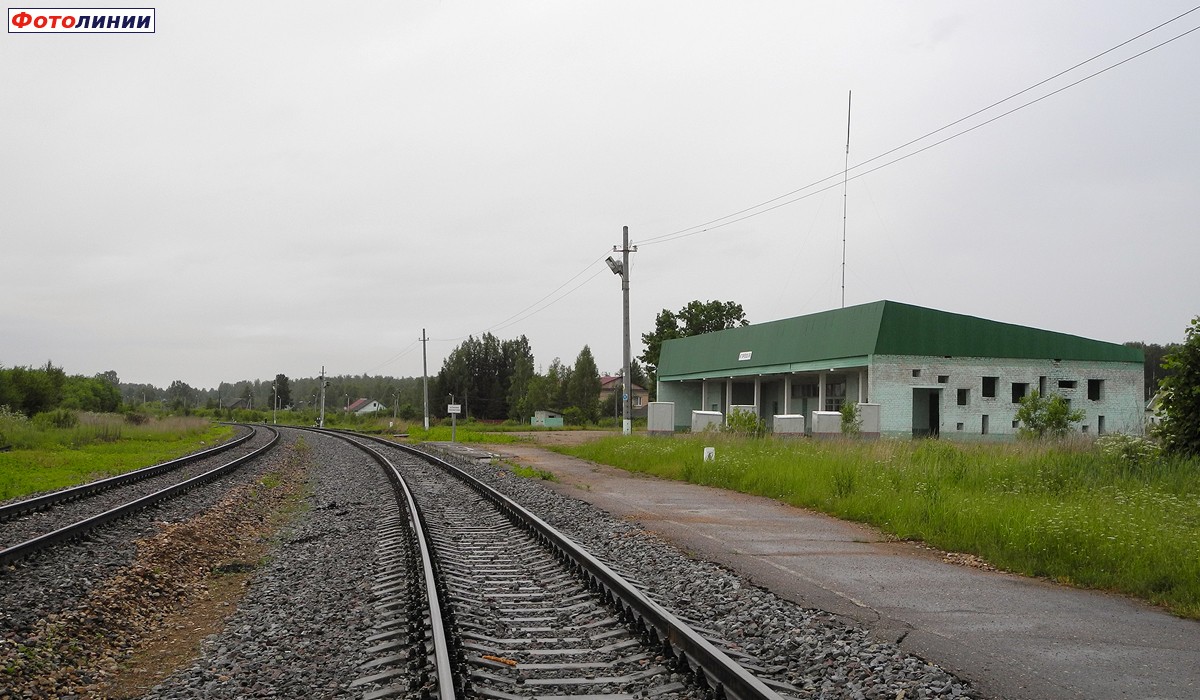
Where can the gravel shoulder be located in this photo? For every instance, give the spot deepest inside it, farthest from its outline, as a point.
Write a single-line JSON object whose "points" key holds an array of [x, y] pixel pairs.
{"points": [[1010, 636]]}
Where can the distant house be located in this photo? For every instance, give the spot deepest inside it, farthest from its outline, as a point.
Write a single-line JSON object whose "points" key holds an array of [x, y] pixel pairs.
{"points": [[237, 404], [613, 384], [547, 419], [362, 407], [1154, 413]]}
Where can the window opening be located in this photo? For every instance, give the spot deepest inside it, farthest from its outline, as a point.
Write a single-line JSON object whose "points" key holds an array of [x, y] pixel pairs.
{"points": [[1095, 389], [989, 387], [964, 397], [1019, 390]]}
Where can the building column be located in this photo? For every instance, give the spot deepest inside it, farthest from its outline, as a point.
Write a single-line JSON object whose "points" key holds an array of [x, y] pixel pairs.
{"points": [[703, 394], [821, 391], [758, 395], [728, 397], [862, 386], [787, 394]]}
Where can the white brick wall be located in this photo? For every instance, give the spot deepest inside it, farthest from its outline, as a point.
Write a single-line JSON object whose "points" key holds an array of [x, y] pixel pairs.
{"points": [[891, 384]]}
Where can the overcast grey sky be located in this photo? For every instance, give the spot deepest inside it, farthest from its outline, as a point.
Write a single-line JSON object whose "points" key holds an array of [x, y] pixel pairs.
{"points": [[265, 187]]}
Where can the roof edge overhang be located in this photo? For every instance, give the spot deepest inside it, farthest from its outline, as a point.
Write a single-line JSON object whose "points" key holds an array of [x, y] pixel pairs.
{"points": [[787, 368]]}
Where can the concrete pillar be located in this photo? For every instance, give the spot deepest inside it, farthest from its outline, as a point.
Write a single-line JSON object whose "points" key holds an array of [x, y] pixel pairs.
{"points": [[787, 394], [758, 394], [862, 386], [703, 394], [821, 391]]}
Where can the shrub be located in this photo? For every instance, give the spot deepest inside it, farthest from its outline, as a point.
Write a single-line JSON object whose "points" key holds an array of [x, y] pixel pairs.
{"points": [[58, 418], [1132, 451], [851, 421], [1041, 417], [744, 423], [1180, 428]]}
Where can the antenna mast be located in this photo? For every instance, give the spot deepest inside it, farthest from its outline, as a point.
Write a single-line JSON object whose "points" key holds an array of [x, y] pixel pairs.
{"points": [[845, 180]]}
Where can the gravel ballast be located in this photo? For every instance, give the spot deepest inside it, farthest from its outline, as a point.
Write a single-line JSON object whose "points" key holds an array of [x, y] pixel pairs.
{"points": [[300, 630], [818, 653]]}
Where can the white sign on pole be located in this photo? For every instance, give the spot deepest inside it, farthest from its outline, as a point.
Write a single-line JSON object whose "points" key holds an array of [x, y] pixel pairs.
{"points": [[454, 408]]}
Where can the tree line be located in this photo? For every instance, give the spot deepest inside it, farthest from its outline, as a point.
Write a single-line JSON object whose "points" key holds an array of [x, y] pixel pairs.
{"points": [[495, 379], [36, 390]]}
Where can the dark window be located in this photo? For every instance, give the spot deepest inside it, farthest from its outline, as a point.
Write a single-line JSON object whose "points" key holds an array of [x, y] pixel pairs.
{"points": [[1100, 424], [985, 424], [943, 378], [1016, 423], [964, 397], [804, 391], [1066, 384], [1041, 386], [989, 387], [1019, 390], [1095, 389], [916, 372], [959, 426]]}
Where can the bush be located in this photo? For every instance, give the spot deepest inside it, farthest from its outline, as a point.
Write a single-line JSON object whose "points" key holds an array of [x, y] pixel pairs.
{"points": [[1180, 428], [1041, 417], [573, 415], [744, 423], [1132, 451], [136, 418], [58, 418], [851, 421]]}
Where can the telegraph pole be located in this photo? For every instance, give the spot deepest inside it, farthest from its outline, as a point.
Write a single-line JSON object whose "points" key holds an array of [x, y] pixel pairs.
{"points": [[622, 269], [425, 375], [321, 420]]}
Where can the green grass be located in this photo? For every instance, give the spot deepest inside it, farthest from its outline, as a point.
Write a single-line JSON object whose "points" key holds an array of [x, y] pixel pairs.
{"points": [[471, 432], [1067, 512], [100, 446]]}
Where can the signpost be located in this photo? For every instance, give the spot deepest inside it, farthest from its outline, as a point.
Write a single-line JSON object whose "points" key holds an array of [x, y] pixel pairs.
{"points": [[453, 409]]}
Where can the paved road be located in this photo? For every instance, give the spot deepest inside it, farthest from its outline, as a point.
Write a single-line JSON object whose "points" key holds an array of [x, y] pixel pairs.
{"points": [[1013, 637]]}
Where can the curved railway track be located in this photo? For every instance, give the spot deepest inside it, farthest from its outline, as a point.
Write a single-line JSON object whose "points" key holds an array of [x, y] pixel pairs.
{"points": [[39, 523], [478, 597]]}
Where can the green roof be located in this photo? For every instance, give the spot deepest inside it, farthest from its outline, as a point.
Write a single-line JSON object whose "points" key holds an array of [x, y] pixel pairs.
{"points": [[849, 336]]}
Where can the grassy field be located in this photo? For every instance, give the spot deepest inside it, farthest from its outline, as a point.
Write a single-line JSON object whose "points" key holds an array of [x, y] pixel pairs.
{"points": [[45, 458], [1069, 512]]}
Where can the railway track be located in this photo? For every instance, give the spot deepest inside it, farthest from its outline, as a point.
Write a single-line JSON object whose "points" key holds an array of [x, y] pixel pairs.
{"points": [[342, 606], [507, 607], [36, 524]]}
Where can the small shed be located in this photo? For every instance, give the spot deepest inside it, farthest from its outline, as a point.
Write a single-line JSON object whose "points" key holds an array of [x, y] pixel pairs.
{"points": [[362, 407], [547, 419]]}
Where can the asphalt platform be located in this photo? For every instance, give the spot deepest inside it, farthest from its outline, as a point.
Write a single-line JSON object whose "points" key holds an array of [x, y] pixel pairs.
{"points": [[1012, 637]]}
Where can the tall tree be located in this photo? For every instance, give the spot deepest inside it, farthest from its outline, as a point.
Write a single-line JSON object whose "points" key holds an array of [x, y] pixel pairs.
{"points": [[283, 390], [1155, 372], [584, 390], [1180, 428], [693, 319], [180, 395]]}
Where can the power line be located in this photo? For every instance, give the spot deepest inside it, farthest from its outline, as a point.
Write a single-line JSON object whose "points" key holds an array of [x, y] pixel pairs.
{"points": [[534, 308], [714, 223]]}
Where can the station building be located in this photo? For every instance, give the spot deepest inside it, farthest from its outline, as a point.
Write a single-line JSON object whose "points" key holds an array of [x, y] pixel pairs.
{"points": [[931, 372]]}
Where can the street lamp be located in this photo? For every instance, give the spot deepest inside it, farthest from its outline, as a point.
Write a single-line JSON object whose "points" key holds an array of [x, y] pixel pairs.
{"points": [[274, 404]]}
